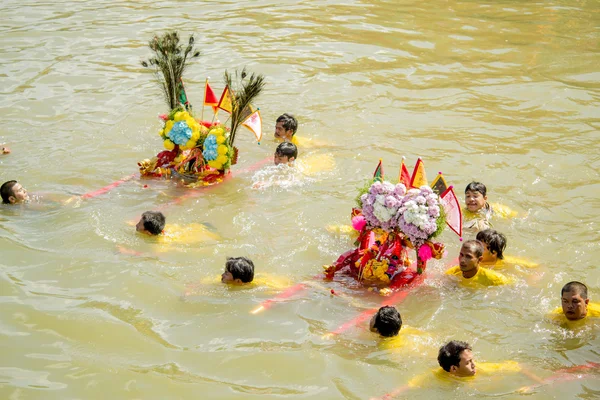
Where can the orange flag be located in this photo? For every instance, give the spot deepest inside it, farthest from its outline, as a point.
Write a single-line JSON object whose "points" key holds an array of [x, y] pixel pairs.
{"points": [[254, 123], [210, 99], [404, 175], [378, 174], [225, 101], [418, 177], [453, 211]]}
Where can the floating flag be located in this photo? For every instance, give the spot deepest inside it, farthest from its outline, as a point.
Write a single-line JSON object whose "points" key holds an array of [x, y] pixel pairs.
{"points": [[404, 175], [183, 96], [210, 99], [439, 184], [246, 112], [378, 174], [225, 101], [452, 209], [254, 123], [418, 177]]}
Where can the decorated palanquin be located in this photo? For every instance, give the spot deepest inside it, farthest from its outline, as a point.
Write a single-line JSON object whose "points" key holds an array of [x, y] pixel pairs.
{"points": [[196, 151], [393, 220]]}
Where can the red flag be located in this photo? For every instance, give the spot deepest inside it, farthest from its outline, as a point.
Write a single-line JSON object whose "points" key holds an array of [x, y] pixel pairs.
{"points": [[378, 174], [210, 99], [453, 211], [418, 177], [254, 123], [404, 175]]}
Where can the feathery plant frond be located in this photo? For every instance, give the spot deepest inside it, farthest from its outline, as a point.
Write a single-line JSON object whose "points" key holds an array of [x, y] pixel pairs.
{"points": [[169, 62], [245, 91]]}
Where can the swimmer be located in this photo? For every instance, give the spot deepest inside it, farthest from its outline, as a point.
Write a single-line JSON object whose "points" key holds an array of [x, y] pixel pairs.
{"points": [[152, 223], [13, 193], [469, 270], [238, 270], [285, 154]]}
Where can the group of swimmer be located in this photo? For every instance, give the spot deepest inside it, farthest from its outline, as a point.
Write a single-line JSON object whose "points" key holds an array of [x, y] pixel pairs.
{"points": [[478, 262]]}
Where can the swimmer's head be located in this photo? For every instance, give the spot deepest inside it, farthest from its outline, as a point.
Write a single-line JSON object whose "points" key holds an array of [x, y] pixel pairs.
{"points": [[151, 223], [238, 270], [387, 321], [494, 244], [285, 153], [456, 357], [13, 193], [475, 196], [574, 300], [285, 127], [471, 254]]}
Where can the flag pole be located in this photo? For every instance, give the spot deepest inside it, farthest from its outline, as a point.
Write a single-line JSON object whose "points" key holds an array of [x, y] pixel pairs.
{"points": [[203, 101]]}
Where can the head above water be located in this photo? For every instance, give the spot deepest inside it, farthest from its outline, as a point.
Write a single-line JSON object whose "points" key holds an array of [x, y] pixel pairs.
{"points": [[494, 244], [471, 254], [285, 153], [13, 193], [574, 297], [475, 196], [285, 127], [456, 357], [238, 270], [387, 321], [151, 223]]}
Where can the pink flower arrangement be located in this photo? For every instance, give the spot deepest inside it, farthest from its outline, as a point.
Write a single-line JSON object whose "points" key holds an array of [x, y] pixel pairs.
{"points": [[418, 214], [381, 204]]}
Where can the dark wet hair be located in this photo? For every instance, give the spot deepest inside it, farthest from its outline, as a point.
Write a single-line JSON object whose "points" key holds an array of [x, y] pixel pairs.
{"points": [[288, 122], [241, 268], [287, 149], [388, 321], [476, 246], [154, 222], [496, 241], [476, 187], [449, 354], [7, 190], [576, 287]]}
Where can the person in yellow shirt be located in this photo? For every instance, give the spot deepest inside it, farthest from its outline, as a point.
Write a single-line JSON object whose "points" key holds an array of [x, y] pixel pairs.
{"points": [[387, 322], [576, 306], [457, 364], [239, 273], [285, 153], [494, 244], [285, 130], [238, 270], [286, 127], [469, 270], [151, 223], [478, 213]]}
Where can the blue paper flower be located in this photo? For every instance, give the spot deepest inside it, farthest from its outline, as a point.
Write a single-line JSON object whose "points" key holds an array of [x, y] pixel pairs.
{"points": [[180, 133], [210, 148]]}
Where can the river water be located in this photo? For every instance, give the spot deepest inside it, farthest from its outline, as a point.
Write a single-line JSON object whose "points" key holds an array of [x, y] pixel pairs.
{"points": [[503, 92]]}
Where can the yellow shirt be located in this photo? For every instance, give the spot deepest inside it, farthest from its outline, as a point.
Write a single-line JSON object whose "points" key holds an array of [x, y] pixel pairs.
{"points": [[260, 280], [175, 235], [483, 277], [510, 261], [408, 338], [481, 219], [593, 311], [485, 369], [307, 142], [315, 163]]}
